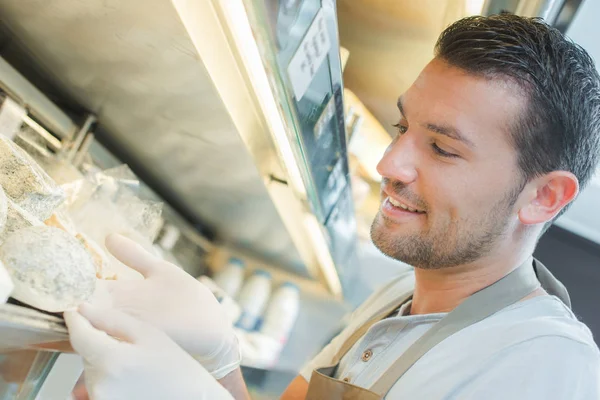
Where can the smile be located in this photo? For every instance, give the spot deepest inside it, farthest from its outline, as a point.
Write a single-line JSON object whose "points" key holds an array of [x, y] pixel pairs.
{"points": [[399, 204]]}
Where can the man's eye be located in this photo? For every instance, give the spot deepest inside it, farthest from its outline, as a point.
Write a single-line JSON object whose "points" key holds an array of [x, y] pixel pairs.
{"points": [[441, 152], [401, 128]]}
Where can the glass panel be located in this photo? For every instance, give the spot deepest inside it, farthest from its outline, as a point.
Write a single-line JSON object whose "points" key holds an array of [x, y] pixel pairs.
{"points": [[22, 373], [319, 111], [300, 47], [301, 33]]}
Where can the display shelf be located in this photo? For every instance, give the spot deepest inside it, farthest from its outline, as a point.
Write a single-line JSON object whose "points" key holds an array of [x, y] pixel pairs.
{"points": [[22, 327]]}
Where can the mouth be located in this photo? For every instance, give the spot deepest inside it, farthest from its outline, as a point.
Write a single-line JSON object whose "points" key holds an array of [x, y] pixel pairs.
{"points": [[399, 204], [397, 211]]}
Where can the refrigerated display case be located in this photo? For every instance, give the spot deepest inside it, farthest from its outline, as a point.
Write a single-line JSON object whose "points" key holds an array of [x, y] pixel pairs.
{"points": [[31, 340]]}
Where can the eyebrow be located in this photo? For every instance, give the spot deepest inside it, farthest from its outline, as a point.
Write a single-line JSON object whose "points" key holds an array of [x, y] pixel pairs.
{"points": [[448, 131]]}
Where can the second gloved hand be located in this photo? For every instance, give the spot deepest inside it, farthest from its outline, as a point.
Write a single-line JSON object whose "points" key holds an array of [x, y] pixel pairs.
{"points": [[125, 358], [175, 302]]}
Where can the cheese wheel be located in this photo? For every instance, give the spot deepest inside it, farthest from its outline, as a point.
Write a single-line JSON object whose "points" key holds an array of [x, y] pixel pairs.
{"points": [[51, 270], [62, 221], [26, 183]]}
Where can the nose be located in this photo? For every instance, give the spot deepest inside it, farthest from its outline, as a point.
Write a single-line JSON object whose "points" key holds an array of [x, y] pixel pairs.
{"points": [[399, 161]]}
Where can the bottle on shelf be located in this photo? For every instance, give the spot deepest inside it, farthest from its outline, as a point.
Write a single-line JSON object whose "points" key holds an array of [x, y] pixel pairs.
{"points": [[231, 277], [169, 237], [253, 298], [281, 313]]}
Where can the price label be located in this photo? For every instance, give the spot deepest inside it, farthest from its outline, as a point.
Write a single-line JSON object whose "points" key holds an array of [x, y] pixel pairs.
{"points": [[310, 55], [11, 118]]}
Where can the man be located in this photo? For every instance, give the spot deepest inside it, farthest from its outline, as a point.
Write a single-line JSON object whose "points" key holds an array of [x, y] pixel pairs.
{"points": [[495, 139]]}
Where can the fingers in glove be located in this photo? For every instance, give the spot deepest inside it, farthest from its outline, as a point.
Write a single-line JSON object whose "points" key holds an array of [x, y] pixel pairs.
{"points": [[89, 342], [114, 294], [115, 323], [132, 254]]}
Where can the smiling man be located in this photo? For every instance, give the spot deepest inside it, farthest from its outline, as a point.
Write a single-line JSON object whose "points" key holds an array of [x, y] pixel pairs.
{"points": [[495, 139]]}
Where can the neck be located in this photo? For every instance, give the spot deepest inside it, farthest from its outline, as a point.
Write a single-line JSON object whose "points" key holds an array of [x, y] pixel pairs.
{"points": [[441, 290]]}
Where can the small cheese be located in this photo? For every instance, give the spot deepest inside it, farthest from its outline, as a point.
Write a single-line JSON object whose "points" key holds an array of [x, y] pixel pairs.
{"points": [[62, 221], [51, 270], [26, 183]]}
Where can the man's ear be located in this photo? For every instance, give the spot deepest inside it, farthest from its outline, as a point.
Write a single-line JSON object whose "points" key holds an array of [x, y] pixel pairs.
{"points": [[549, 194]]}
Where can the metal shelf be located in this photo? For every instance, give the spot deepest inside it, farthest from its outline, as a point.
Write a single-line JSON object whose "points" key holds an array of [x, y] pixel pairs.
{"points": [[22, 327]]}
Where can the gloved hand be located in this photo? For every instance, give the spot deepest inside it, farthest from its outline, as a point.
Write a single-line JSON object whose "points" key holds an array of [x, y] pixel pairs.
{"points": [[144, 364], [175, 302]]}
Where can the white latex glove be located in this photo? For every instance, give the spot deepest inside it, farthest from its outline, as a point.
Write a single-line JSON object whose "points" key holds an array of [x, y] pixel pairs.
{"points": [[259, 350], [144, 364], [175, 302], [229, 305]]}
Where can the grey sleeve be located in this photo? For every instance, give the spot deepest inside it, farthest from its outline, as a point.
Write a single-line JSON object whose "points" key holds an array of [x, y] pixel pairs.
{"points": [[548, 368]]}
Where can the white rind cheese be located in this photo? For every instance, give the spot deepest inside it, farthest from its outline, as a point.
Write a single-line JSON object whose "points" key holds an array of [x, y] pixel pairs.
{"points": [[51, 270], [26, 183]]}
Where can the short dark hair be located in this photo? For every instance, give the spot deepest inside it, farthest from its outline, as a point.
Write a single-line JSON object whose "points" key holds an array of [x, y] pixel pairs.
{"points": [[560, 129]]}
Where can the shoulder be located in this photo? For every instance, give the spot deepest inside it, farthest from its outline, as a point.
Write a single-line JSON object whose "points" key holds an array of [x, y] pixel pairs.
{"points": [[544, 316], [544, 367], [536, 349], [540, 331]]}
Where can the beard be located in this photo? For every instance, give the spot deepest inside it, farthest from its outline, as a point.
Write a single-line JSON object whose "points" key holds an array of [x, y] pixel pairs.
{"points": [[448, 244]]}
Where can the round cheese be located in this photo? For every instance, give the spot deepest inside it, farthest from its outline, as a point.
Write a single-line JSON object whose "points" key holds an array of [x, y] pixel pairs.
{"points": [[26, 183], [51, 270]]}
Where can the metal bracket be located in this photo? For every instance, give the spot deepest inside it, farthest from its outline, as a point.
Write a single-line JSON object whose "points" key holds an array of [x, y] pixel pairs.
{"points": [[76, 149]]}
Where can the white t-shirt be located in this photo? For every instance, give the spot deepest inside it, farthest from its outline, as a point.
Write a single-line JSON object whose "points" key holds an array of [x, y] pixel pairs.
{"points": [[534, 349]]}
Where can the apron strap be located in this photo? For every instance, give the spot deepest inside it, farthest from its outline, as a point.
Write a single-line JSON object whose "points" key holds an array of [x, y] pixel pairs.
{"points": [[360, 332], [552, 285], [510, 289]]}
